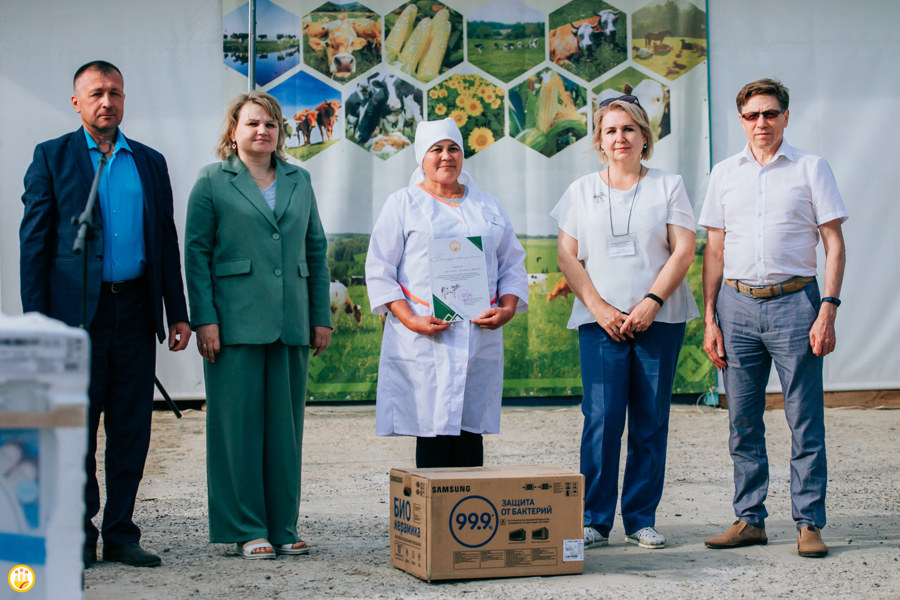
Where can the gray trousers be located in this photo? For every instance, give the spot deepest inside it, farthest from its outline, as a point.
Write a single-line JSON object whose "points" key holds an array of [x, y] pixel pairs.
{"points": [[758, 332]]}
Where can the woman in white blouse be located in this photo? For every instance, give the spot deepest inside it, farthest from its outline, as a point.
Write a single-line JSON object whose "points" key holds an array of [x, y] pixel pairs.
{"points": [[626, 240]]}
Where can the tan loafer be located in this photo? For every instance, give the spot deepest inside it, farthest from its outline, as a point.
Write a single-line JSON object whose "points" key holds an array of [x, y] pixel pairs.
{"points": [[738, 535], [810, 544]]}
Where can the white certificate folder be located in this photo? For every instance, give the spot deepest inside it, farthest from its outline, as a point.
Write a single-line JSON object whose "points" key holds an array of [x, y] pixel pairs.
{"points": [[459, 287]]}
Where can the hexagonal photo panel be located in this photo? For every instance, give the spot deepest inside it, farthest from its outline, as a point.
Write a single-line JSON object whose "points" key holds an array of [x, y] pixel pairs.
{"points": [[588, 37], [669, 37], [424, 39], [548, 112], [342, 39], [651, 94], [475, 104], [312, 114], [382, 112], [277, 41], [505, 38]]}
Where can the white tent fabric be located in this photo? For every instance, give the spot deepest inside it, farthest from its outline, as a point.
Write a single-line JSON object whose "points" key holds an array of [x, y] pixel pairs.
{"points": [[839, 65]]}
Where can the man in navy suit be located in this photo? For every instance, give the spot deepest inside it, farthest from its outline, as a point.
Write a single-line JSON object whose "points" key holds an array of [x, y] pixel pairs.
{"points": [[133, 269]]}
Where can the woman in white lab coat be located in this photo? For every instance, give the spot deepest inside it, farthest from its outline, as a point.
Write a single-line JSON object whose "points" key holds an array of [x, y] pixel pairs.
{"points": [[439, 381]]}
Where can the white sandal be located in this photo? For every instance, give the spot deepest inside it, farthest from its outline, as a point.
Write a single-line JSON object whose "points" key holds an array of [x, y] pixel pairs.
{"points": [[247, 550], [289, 548]]}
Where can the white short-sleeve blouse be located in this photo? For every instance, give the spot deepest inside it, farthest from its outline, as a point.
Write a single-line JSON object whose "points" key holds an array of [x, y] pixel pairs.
{"points": [[583, 212]]}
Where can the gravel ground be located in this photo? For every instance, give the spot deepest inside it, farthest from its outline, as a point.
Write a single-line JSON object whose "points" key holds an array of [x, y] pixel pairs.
{"points": [[344, 515]]}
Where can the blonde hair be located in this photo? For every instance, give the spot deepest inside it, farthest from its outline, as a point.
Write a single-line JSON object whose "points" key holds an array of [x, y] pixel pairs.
{"points": [[225, 148], [637, 114]]}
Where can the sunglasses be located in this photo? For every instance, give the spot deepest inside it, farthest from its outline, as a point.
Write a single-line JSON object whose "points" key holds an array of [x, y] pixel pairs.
{"points": [[768, 115], [626, 98]]}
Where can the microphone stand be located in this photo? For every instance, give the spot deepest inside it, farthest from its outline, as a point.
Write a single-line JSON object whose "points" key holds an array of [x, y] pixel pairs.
{"points": [[86, 233]]}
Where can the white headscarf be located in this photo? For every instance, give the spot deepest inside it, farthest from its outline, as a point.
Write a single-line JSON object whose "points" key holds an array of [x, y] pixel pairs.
{"points": [[429, 133]]}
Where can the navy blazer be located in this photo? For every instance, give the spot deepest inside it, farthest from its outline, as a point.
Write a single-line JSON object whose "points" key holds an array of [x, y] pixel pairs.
{"points": [[57, 185]]}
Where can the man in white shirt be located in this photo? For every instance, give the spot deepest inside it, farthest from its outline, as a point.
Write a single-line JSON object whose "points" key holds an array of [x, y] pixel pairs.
{"points": [[764, 211]]}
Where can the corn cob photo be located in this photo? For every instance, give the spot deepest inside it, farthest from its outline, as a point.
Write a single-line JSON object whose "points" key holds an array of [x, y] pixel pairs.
{"points": [[416, 46], [430, 66], [548, 117], [394, 43]]}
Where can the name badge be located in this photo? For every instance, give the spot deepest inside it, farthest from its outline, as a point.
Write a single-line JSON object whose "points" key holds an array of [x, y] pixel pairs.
{"points": [[620, 246]]}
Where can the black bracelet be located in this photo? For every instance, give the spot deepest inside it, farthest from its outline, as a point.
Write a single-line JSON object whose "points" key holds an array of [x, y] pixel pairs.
{"points": [[832, 299], [655, 298]]}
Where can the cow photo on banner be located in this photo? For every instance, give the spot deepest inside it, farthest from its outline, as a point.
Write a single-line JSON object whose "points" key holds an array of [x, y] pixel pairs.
{"points": [[521, 78]]}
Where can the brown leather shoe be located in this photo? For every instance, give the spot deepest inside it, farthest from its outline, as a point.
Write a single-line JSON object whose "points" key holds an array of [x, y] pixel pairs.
{"points": [[810, 544], [738, 535]]}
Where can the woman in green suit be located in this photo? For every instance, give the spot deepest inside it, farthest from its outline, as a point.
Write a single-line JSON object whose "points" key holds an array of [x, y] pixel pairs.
{"points": [[258, 291]]}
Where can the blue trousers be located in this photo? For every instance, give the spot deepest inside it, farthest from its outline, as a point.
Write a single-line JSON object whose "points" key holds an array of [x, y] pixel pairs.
{"points": [[757, 332], [619, 378]]}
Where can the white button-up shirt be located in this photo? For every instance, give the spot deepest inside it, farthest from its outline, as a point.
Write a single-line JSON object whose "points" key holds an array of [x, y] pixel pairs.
{"points": [[771, 214]]}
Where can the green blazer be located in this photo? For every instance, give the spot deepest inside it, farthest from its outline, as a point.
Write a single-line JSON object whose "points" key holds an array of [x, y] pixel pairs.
{"points": [[261, 275]]}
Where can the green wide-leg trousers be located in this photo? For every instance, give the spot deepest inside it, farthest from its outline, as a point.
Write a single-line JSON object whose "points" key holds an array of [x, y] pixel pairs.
{"points": [[255, 399]]}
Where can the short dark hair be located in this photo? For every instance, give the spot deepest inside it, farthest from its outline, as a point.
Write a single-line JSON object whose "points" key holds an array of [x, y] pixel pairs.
{"points": [[104, 67], [764, 87]]}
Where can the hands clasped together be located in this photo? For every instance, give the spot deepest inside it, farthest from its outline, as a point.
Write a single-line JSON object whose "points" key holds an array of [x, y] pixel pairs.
{"points": [[621, 326]]}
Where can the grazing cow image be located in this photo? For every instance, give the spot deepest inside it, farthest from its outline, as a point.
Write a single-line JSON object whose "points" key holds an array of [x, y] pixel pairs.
{"points": [[562, 288], [326, 115], [354, 105], [585, 40], [580, 39], [338, 41], [306, 122], [340, 299], [369, 30], [642, 53], [656, 36], [563, 45], [388, 105], [539, 279], [605, 29], [479, 48], [654, 98]]}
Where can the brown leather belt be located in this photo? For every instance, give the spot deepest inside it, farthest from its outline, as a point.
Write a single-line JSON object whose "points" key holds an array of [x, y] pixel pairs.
{"points": [[794, 284], [120, 287]]}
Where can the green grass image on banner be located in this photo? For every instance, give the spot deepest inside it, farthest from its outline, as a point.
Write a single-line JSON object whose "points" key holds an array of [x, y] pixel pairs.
{"points": [[540, 354]]}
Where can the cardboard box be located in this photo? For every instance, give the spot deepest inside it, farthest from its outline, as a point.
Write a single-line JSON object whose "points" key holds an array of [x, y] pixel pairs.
{"points": [[43, 400], [514, 521]]}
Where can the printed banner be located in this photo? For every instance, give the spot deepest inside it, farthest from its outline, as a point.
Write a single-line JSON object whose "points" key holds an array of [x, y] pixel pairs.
{"points": [[521, 79]]}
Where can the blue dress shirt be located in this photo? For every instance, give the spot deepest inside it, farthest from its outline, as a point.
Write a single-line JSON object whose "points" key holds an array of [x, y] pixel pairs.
{"points": [[122, 211]]}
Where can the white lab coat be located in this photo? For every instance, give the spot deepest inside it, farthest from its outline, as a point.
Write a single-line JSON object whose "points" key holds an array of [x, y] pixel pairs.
{"points": [[438, 386]]}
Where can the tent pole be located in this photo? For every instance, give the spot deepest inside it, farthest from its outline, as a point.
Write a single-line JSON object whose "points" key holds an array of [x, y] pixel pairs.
{"points": [[251, 49]]}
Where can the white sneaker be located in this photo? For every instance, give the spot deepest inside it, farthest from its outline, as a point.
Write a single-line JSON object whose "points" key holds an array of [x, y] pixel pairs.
{"points": [[648, 537], [592, 538]]}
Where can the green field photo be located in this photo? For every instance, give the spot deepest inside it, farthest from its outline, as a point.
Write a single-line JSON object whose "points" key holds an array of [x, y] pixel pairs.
{"points": [[540, 353]]}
